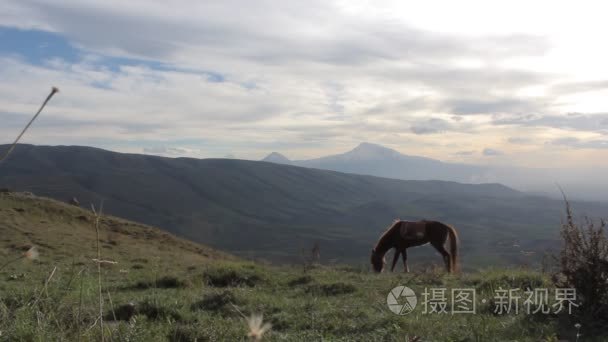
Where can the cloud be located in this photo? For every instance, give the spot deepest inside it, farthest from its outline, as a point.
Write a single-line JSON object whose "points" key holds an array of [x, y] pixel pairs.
{"points": [[430, 126], [498, 105], [171, 151], [270, 32], [579, 87], [519, 140], [464, 153], [490, 152], [588, 122], [577, 143]]}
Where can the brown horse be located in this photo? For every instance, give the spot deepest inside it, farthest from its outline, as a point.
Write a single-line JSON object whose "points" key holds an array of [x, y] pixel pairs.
{"points": [[404, 234]]}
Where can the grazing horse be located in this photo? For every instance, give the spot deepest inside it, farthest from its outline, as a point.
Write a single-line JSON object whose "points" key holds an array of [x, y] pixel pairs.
{"points": [[404, 234]]}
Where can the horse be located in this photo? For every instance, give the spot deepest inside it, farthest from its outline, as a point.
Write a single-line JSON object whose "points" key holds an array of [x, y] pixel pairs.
{"points": [[404, 234]]}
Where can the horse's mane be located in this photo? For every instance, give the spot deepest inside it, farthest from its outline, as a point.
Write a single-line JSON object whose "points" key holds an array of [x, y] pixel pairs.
{"points": [[388, 230]]}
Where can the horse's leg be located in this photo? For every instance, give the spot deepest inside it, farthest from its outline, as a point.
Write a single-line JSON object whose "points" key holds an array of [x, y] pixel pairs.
{"points": [[404, 256], [395, 258], [446, 256]]}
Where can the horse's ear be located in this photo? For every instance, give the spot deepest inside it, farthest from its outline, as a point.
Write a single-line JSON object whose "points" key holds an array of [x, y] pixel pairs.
{"points": [[374, 250]]}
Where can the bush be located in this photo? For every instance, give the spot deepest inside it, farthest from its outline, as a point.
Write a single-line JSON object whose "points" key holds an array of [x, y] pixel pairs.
{"points": [[122, 313], [514, 279], [331, 289], [220, 303], [185, 333], [227, 276], [584, 266], [303, 280], [165, 282], [147, 308]]}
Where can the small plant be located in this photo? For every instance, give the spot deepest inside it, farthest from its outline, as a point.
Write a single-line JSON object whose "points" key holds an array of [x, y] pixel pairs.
{"points": [[99, 262], [312, 258]]}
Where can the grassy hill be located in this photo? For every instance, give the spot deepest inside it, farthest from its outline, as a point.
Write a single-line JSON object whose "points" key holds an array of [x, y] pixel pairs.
{"points": [[271, 211], [167, 289], [64, 232]]}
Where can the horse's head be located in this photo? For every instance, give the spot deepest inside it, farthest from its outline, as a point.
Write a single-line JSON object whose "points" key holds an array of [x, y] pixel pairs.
{"points": [[378, 261]]}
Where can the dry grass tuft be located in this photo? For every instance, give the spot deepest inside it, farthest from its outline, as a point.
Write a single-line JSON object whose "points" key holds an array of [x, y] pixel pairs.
{"points": [[257, 327]]}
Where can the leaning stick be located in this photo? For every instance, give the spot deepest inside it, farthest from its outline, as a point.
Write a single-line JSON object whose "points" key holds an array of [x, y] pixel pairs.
{"points": [[53, 91]]}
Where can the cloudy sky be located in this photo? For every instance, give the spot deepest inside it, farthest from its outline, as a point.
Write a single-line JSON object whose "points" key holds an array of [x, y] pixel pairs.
{"points": [[509, 82]]}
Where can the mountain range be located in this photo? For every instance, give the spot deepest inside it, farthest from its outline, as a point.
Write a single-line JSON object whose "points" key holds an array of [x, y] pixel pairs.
{"points": [[377, 160], [273, 211]]}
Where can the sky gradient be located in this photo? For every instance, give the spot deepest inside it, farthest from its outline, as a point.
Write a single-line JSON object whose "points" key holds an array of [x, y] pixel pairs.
{"points": [[506, 83]]}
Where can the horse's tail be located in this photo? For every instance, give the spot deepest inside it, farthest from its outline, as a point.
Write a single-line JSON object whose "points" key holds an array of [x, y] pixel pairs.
{"points": [[453, 248]]}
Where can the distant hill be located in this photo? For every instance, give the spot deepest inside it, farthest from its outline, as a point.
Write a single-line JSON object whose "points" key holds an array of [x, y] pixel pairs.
{"points": [[260, 209]]}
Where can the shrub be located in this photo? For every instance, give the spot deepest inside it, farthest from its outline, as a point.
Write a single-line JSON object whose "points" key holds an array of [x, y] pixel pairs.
{"points": [[514, 279], [217, 302], [165, 282], [147, 308], [155, 311], [303, 280], [333, 289], [228, 276], [584, 266], [185, 333], [122, 313]]}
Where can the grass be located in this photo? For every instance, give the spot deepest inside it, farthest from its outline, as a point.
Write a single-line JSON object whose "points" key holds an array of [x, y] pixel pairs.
{"points": [[296, 313], [164, 288]]}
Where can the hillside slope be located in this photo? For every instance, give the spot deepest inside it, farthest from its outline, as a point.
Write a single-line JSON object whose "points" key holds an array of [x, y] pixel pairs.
{"points": [[274, 211], [63, 233]]}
